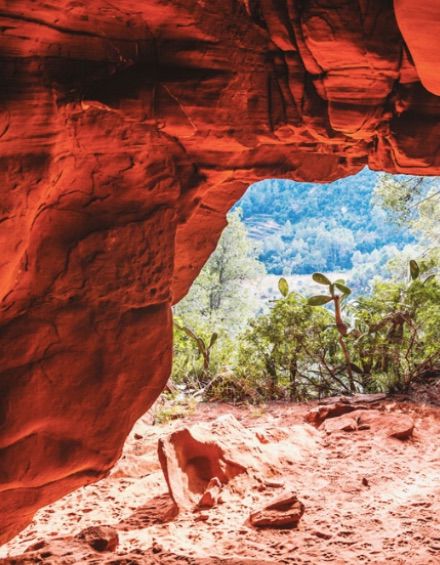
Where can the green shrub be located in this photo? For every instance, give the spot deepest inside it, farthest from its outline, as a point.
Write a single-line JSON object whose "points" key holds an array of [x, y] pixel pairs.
{"points": [[324, 345]]}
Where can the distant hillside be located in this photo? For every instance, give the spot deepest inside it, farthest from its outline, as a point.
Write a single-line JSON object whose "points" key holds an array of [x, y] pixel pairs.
{"points": [[304, 227]]}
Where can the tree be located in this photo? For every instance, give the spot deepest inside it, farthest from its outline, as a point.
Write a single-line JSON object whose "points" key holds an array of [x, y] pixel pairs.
{"points": [[220, 298], [396, 336], [218, 304], [413, 203]]}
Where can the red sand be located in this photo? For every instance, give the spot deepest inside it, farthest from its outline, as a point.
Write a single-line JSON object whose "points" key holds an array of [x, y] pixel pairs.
{"points": [[368, 499]]}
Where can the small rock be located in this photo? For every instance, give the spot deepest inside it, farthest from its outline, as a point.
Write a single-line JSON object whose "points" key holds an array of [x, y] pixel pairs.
{"points": [[211, 495], [317, 415], [401, 428], [344, 423], [156, 547], [365, 482], [283, 512], [100, 538], [201, 518], [262, 438]]}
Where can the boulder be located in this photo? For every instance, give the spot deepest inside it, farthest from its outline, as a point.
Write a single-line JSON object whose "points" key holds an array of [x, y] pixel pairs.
{"points": [[337, 405], [197, 461], [345, 423], [318, 414], [200, 460]]}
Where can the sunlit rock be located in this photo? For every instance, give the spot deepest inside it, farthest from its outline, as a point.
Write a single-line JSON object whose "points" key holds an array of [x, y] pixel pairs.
{"points": [[127, 132]]}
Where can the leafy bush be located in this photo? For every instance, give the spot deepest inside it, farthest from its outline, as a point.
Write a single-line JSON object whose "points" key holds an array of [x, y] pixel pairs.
{"points": [[397, 336], [199, 355], [301, 350], [285, 353]]}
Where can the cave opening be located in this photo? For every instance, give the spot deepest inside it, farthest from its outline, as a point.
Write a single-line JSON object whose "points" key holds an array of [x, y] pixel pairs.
{"points": [[127, 133], [219, 422], [367, 233]]}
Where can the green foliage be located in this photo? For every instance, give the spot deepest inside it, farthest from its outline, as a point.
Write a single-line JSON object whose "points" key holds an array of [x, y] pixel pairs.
{"points": [[319, 300], [397, 195], [339, 323], [343, 288], [414, 269], [300, 350], [414, 204], [283, 286], [217, 300], [203, 347], [304, 227], [397, 338], [172, 406], [199, 355], [280, 354], [321, 279]]}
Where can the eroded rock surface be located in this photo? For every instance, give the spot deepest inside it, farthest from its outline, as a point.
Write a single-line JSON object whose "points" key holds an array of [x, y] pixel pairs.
{"points": [[100, 538], [360, 413], [126, 132]]}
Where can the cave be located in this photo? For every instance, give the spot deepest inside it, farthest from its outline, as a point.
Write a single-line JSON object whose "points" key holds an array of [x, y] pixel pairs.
{"points": [[127, 133]]}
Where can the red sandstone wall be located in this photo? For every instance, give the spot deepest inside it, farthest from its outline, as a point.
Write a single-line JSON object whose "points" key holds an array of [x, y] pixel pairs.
{"points": [[127, 131]]}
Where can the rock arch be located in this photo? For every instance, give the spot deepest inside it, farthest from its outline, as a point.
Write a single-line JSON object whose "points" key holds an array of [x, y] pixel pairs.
{"points": [[127, 131]]}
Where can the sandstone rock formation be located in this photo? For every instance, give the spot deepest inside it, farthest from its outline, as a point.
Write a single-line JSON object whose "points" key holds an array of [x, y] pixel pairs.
{"points": [[360, 413], [334, 406], [198, 463], [127, 130], [195, 464], [100, 538], [397, 426]]}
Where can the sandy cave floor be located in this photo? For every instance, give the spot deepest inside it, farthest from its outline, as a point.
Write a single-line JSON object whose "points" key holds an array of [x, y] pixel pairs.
{"points": [[368, 499]]}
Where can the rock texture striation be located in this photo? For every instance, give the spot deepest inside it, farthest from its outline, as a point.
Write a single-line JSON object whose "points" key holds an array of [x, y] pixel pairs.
{"points": [[127, 130]]}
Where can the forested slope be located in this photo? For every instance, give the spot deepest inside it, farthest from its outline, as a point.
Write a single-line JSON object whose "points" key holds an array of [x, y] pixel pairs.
{"points": [[304, 227]]}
